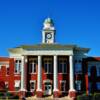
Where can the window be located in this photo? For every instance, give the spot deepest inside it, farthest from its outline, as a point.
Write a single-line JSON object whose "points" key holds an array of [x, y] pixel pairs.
{"points": [[48, 66], [78, 67], [17, 66], [89, 70], [6, 64], [78, 85], [7, 69], [6, 85], [62, 67], [32, 85], [17, 85], [63, 86], [32, 66], [98, 85], [98, 70]]}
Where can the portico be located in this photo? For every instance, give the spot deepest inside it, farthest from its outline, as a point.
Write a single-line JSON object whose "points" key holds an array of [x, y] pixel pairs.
{"points": [[42, 75]]}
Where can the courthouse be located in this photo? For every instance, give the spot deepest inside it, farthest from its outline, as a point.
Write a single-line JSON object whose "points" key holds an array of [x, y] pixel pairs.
{"points": [[50, 68]]}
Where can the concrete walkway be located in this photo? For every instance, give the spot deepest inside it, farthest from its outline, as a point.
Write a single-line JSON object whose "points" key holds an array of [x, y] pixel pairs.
{"points": [[49, 98]]}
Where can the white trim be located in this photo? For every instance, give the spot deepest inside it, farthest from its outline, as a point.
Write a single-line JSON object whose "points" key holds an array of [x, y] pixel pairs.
{"points": [[78, 83], [34, 85], [47, 81], [32, 81], [48, 52], [17, 83], [63, 81]]}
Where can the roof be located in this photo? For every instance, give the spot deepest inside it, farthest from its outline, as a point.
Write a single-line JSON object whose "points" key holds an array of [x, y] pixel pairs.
{"points": [[50, 47], [4, 59], [93, 59]]}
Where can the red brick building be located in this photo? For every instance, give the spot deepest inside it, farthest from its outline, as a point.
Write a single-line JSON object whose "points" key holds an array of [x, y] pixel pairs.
{"points": [[50, 68]]}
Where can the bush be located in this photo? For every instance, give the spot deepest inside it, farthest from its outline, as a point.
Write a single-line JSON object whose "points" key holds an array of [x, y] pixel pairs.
{"points": [[97, 96], [1, 94], [85, 97]]}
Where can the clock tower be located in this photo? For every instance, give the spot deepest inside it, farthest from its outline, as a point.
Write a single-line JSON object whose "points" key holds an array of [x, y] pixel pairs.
{"points": [[48, 32]]}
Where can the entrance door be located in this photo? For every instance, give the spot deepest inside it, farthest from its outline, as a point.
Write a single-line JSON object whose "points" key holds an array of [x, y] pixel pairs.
{"points": [[48, 89]]}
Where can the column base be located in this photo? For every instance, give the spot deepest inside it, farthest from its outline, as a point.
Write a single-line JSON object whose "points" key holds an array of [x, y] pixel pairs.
{"points": [[72, 94], [39, 94], [22, 94], [56, 94]]}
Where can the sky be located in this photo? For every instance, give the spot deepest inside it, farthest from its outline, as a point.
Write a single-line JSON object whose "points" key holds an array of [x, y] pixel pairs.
{"points": [[76, 22]]}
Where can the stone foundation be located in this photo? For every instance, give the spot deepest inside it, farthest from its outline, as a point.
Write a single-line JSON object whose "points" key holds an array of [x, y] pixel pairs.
{"points": [[22, 94], [72, 94], [39, 94], [56, 94]]}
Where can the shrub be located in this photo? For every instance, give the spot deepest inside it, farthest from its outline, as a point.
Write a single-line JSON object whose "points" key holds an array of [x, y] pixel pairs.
{"points": [[96, 96], [85, 97]]}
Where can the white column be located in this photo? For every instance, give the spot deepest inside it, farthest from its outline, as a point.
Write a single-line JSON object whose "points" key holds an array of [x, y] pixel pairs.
{"points": [[22, 75], [39, 76], [71, 72], [55, 74]]}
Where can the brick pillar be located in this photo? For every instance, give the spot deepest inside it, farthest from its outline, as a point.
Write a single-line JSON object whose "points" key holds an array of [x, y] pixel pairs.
{"points": [[11, 74]]}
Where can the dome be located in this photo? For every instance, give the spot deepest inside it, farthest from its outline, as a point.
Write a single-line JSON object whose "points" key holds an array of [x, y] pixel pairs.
{"points": [[48, 21]]}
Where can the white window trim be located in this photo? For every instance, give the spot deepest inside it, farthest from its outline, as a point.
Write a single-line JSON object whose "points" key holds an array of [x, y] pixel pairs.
{"points": [[48, 68], [33, 64], [6, 83], [19, 72], [78, 64], [47, 81], [63, 81], [34, 85], [62, 63], [79, 83], [18, 82]]}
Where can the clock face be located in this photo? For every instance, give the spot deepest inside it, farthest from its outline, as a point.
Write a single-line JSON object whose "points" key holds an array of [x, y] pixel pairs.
{"points": [[49, 35]]}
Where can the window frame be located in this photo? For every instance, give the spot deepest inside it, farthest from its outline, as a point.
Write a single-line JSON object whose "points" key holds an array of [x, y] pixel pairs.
{"points": [[78, 67], [78, 85], [98, 85], [17, 88], [32, 67], [64, 86], [98, 70], [48, 66], [17, 68], [61, 67], [34, 85]]}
